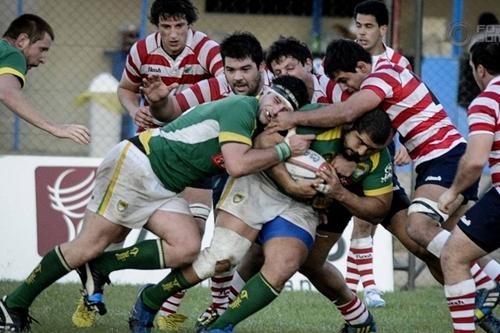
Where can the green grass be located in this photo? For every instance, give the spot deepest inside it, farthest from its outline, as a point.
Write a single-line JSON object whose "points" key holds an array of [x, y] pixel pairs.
{"points": [[420, 311]]}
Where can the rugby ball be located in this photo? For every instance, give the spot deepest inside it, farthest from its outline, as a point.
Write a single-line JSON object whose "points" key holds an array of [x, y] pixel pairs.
{"points": [[305, 166]]}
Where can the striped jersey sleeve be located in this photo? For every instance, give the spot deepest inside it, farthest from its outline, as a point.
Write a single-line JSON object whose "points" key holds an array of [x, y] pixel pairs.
{"points": [[484, 118], [327, 90]]}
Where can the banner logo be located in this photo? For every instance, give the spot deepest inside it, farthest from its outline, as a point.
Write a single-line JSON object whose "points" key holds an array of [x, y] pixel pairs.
{"points": [[62, 193]]}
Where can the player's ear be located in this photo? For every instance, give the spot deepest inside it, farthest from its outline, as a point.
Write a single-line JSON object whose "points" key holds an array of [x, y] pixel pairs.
{"points": [[383, 30], [481, 71], [362, 67], [22, 40]]}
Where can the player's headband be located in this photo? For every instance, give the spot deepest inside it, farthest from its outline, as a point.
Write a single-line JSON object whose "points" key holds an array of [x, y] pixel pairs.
{"points": [[286, 94]]}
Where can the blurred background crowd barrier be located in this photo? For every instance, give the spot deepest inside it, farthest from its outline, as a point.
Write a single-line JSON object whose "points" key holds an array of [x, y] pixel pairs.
{"points": [[92, 39]]}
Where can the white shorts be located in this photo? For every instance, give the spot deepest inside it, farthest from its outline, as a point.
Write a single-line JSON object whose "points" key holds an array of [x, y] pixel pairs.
{"points": [[127, 191], [255, 200]]}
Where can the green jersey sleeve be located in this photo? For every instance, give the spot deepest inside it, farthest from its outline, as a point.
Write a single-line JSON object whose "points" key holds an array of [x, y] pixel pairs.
{"points": [[238, 120], [12, 62], [379, 180]]}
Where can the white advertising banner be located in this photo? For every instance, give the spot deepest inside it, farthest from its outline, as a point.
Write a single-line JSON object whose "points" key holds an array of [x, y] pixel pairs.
{"points": [[42, 202]]}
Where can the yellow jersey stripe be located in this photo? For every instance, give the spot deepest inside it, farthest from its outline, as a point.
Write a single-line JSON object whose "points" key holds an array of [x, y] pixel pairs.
{"points": [[375, 158], [15, 72], [378, 191], [334, 133], [111, 186], [234, 137]]}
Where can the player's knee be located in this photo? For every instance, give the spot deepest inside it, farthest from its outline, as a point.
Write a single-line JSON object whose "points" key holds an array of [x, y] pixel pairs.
{"points": [[183, 254], [227, 248], [282, 268]]}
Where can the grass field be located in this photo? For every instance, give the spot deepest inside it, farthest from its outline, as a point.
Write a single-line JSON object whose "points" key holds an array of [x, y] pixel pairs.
{"points": [[421, 311]]}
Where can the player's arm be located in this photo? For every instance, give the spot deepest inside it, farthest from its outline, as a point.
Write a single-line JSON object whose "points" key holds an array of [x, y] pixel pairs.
{"points": [[304, 189], [332, 115], [242, 159], [369, 208], [13, 98], [163, 105], [129, 97], [469, 169]]}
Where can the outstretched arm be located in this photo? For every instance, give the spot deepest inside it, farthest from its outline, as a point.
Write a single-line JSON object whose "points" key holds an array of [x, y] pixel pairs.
{"points": [[241, 159], [13, 98], [332, 115]]}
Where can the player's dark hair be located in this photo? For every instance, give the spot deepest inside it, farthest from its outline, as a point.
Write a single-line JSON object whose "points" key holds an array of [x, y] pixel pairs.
{"points": [[376, 8], [242, 45], [343, 55], [287, 47], [296, 86], [486, 54], [376, 124], [32, 25], [173, 8]]}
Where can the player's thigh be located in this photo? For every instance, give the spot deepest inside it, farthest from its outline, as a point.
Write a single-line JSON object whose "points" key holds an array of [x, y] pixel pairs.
{"points": [[176, 228], [283, 256]]}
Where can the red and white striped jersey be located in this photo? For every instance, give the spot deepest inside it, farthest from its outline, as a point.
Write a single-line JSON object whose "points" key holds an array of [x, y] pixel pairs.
{"points": [[327, 91], [393, 57], [199, 60], [425, 128], [484, 118], [211, 90]]}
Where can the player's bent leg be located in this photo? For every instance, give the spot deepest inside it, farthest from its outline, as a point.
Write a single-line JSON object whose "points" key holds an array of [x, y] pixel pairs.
{"points": [[424, 217], [53, 266], [199, 200], [397, 227], [286, 246], [460, 288], [226, 249], [248, 267], [330, 282]]}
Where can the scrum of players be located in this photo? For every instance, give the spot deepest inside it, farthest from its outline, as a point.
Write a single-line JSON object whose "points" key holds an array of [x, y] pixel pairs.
{"points": [[271, 221]]}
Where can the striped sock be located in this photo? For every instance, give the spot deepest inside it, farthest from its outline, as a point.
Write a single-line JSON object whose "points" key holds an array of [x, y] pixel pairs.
{"points": [[354, 312], [236, 285], [460, 297], [220, 288], [362, 250], [482, 280], [171, 305], [352, 274]]}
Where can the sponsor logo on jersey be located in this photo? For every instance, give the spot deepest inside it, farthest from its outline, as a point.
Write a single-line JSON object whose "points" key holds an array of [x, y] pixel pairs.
{"points": [[152, 69], [433, 178], [62, 193], [387, 173]]}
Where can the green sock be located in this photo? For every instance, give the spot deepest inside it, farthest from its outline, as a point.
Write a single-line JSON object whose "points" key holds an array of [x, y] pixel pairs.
{"points": [[52, 267], [154, 296], [144, 255], [255, 295]]}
